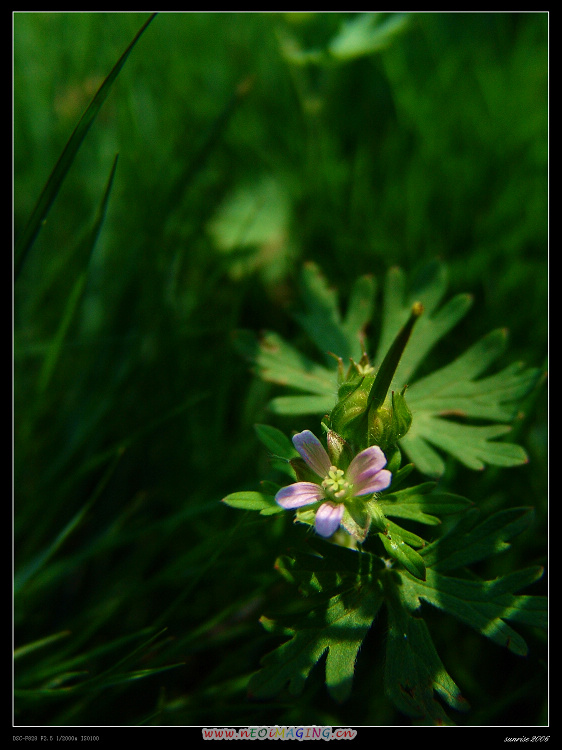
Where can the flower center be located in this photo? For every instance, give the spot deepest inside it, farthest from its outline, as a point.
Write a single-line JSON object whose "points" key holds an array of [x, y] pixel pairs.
{"points": [[335, 484]]}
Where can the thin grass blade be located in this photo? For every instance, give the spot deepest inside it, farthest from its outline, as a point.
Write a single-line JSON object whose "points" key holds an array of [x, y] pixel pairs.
{"points": [[57, 176], [75, 296]]}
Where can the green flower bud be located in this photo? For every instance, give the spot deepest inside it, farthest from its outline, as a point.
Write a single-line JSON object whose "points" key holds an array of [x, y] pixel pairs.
{"points": [[347, 382], [380, 427], [390, 422], [365, 413], [339, 450], [351, 407], [401, 414]]}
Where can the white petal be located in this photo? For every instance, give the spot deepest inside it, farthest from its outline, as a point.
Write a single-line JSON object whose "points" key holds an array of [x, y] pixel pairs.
{"points": [[328, 519], [379, 482], [299, 494], [313, 452], [366, 472]]}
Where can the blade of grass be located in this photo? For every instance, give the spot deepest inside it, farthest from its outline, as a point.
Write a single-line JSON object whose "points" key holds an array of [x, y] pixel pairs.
{"points": [[58, 674], [211, 560], [90, 689], [102, 678], [41, 643], [70, 472], [67, 660], [125, 677], [55, 348], [37, 563], [57, 176], [177, 190]]}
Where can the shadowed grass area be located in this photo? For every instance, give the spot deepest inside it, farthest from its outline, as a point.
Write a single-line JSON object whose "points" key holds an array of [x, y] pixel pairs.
{"points": [[248, 144]]}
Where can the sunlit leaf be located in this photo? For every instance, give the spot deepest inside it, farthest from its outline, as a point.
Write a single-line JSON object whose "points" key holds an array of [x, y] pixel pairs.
{"points": [[366, 34], [336, 626], [265, 504]]}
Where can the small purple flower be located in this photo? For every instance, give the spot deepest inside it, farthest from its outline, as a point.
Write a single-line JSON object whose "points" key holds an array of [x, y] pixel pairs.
{"points": [[365, 475]]}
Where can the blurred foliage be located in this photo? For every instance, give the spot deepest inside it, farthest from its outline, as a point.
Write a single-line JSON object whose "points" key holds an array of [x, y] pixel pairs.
{"points": [[248, 143]]}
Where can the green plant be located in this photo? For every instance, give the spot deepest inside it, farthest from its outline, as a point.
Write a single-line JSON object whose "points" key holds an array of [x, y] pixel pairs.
{"points": [[390, 564]]}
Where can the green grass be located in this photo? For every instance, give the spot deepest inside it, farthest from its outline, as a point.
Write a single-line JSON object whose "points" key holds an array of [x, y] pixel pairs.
{"points": [[137, 593]]}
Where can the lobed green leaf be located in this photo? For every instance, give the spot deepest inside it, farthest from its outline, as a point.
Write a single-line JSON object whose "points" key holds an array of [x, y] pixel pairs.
{"points": [[278, 362], [413, 670], [421, 502], [339, 629], [484, 605], [321, 317], [467, 542], [277, 443], [400, 551], [452, 390]]}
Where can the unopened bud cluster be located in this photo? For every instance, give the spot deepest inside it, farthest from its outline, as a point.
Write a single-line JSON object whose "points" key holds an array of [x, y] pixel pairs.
{"points": [[367, 411], [358, 420]]}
